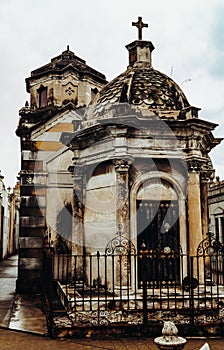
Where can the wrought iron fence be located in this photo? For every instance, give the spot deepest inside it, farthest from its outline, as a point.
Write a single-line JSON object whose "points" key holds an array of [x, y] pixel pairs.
{"points": [[123, 286]]}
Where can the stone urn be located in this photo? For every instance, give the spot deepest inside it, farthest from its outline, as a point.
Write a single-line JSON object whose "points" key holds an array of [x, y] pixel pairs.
{"points": [[170, 339]]}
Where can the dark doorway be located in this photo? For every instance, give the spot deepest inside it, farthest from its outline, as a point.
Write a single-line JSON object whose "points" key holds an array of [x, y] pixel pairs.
{"points": [[158, 234]]}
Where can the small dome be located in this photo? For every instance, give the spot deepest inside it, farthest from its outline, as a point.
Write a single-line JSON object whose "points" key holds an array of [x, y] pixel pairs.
{"points": [[142, 88]]}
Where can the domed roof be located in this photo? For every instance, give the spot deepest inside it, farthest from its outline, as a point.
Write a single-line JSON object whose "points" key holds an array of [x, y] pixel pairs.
{"points": [[143, 88]]}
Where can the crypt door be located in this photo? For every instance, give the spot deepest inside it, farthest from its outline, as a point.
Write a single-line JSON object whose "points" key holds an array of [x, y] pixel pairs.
{"points": [[158, 235]]}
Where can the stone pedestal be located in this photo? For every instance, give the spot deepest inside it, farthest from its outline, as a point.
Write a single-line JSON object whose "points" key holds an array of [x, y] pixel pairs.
{"points": [[170, 339]]}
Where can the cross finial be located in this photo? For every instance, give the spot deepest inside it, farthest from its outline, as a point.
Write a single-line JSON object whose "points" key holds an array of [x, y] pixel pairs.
{"points": [[140, 25]]}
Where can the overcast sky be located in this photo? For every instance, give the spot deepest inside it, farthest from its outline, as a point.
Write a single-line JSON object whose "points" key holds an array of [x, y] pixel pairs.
{"points": [[188, 36]]}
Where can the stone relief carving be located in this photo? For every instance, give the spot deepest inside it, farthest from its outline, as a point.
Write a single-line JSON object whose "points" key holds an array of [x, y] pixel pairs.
{"points": [[122, 168]]}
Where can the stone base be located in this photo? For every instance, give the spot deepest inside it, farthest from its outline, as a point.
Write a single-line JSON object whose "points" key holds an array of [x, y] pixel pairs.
{"points": [[177, 343]]}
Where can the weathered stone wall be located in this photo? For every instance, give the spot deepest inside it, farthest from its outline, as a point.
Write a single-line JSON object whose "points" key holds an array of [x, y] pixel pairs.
{"points": [[62, 90], [100, 211]]}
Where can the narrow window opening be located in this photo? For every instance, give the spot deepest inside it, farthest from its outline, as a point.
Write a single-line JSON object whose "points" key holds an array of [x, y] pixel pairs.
{"points": [[93, 92], [217, 228], [222, 228], [42, 94], [124, 94]]}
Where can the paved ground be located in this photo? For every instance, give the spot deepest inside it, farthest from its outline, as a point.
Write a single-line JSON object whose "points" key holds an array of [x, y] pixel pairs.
{"points": [[19, 340], [18, 312], [23, 325], [8, 275]]}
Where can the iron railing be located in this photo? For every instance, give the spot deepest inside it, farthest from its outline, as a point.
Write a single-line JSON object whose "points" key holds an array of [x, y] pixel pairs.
{"points": [[123, 286]]}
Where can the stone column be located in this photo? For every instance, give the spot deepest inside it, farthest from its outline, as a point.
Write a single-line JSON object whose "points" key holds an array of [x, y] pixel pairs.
{"points": [[194, 218], [122, 196]]}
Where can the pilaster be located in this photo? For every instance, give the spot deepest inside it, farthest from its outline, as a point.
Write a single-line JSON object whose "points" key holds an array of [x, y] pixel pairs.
{"points": [[122, 196], [194, 207], [78, 211]]}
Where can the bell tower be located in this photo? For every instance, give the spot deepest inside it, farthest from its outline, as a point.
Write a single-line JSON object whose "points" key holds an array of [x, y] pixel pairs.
{"points": [[58, 91], [66, 79]]}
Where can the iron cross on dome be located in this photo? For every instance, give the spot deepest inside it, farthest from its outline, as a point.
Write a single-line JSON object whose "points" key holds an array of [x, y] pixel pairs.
{"points": [[140, 25]]}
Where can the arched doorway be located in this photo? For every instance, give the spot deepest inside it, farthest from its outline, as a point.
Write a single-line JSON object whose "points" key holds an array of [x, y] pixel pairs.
{"points": [[158, 223], [158, 233]]}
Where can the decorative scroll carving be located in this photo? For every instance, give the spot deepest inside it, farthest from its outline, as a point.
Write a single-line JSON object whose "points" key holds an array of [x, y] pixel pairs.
{"points": [[121, 165], [69, 91], [194, 165], [204, 167], [34, 179], [135, 317], [28, 180], [210, 246], [120, 245]]}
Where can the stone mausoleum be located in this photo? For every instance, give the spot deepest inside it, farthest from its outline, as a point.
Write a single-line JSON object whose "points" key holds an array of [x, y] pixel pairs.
{"points": [[216, 208], [103, 161]]}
